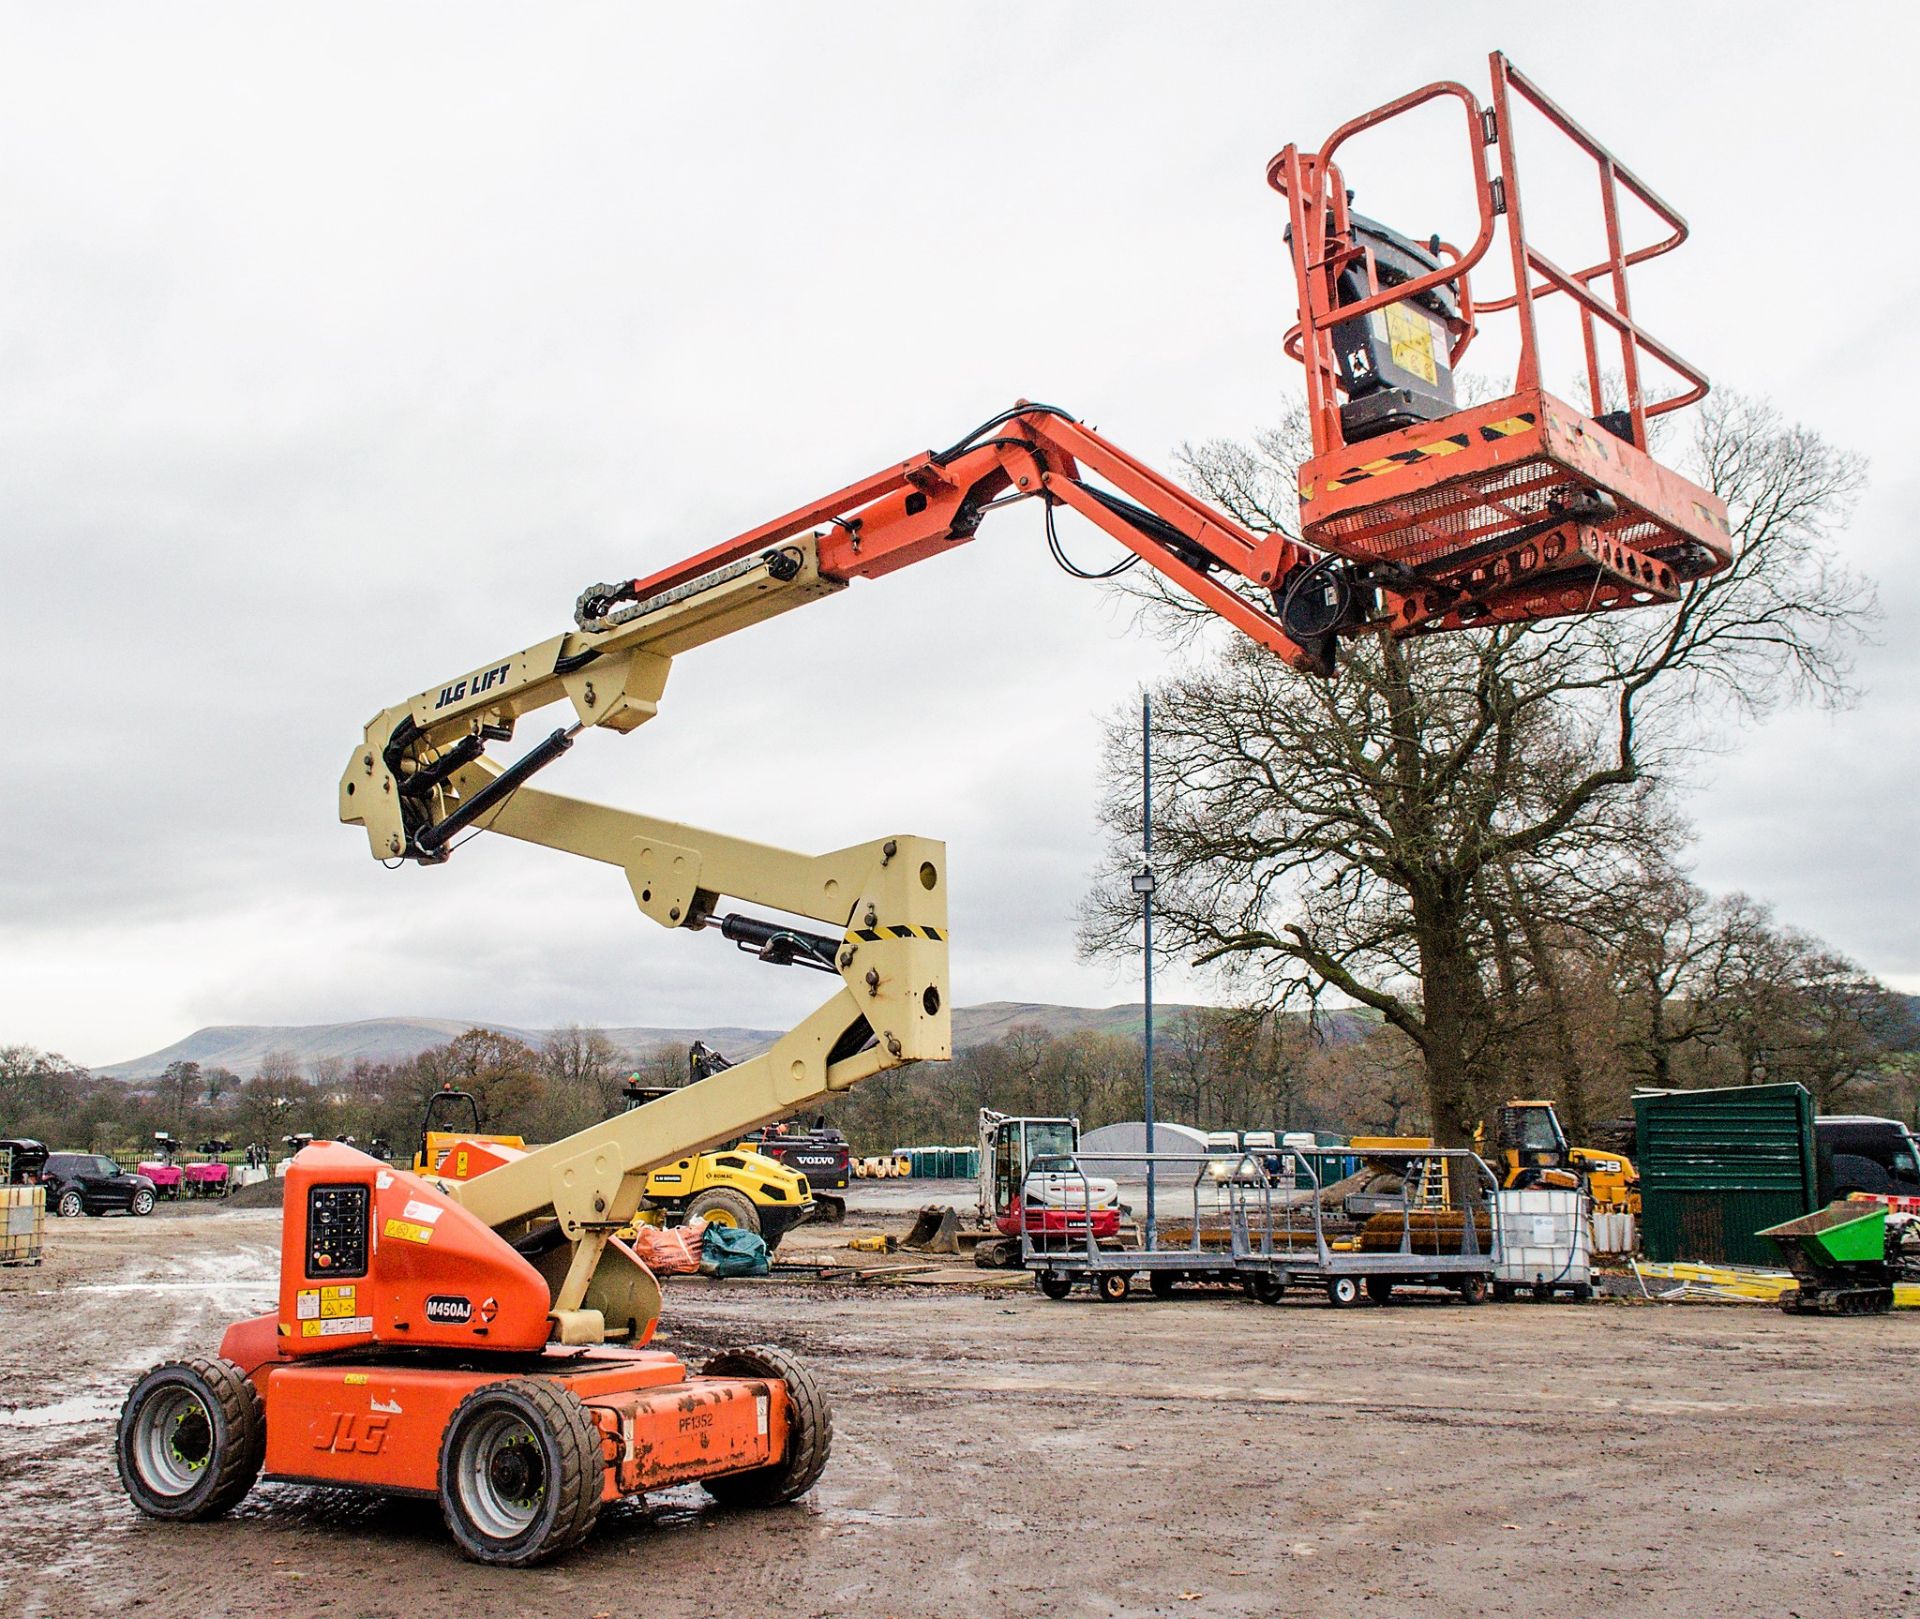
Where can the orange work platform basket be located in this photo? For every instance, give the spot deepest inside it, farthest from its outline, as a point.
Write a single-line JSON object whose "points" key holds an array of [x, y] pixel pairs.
{"points": [[1521, 508]]}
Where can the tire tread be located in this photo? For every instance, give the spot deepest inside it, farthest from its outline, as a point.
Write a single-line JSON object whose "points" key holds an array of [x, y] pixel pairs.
{"points": [[242, 1416], [576, 1486], [809, 1429]]}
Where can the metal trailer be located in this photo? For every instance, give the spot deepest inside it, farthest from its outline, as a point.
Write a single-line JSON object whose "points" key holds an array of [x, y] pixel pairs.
{"points": [[1259, 1220]]}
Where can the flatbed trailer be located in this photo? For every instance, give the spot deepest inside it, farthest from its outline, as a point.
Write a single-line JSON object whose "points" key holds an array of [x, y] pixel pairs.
{"points": [[1259, 1221]]}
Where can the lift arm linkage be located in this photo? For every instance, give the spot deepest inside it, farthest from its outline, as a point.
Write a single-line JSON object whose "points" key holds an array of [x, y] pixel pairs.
{"points": [[613, 668]]}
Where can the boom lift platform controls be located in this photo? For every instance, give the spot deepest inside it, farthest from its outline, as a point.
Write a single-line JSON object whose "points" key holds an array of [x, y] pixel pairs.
{"points": [[484, 1340]]}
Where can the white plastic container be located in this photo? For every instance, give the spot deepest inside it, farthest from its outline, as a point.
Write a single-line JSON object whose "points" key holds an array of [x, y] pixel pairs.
{"points": [[1545, 1241], [1614, 1234]]}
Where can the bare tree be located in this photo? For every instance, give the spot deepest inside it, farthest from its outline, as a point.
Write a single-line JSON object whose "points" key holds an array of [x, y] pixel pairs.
{"points": [[176, 1090], [584, 1075], [1364, 836], [1795, 1010], [33, 1082], [282, 1068]]}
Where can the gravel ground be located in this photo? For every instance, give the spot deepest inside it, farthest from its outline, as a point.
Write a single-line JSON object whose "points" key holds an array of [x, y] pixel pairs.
{"points": [[998, 1454]]}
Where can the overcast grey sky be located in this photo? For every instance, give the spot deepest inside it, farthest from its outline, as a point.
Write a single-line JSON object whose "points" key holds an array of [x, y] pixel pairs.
{"points": [[340, 346]]}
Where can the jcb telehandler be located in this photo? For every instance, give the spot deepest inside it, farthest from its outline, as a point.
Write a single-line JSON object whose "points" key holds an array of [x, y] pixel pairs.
{"points": [[1534, 1152], [484, 1341]]}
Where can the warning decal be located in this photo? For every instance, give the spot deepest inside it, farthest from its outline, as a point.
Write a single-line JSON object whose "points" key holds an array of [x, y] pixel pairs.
{"points": [[1452, 444], [1410, 335], [340, 1327], [407, 1231]]}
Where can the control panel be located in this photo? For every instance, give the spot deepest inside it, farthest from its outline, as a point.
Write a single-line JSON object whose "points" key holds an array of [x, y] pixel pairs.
{"points": [[337, 1231]]}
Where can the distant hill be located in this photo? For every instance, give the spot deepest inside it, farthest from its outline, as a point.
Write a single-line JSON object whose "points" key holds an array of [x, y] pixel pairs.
{"points": [[243, 1046]]}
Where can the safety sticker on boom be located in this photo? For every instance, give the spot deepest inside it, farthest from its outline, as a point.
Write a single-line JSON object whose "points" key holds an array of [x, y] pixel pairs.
{"points": [[1433, 450], [876, 935]]}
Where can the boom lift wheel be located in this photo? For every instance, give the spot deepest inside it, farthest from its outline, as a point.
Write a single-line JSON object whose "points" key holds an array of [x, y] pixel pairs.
{"points": [[809, 1430], [1112, 1286], [1052, 1283], [1343, 1291], [521, 1472], [724, 1206], [191, 1438]]}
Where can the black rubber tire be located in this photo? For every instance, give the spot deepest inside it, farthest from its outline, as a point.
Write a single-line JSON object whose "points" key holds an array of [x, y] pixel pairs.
{"points": [[142, 1203], [1265, 1288], [1474, 1289], [71, 1206], [1161, 1283], [1343, 1291], [724, 1200], [809, 1430], [1380, 1289], [1581, 1291], [574, 1470], [1053, 1284], [230, 1430], [1503, 1292], [1111, 1286]]}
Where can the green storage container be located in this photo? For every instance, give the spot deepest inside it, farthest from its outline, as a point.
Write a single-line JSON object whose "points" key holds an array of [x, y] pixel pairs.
{"points": [[1717, 1167]]}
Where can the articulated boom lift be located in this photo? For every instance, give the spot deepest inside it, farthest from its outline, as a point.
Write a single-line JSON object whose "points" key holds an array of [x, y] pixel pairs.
{"points": [[483, 1338]]}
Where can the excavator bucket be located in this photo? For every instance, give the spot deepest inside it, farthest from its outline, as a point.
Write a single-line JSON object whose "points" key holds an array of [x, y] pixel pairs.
{"points": [[936, 1230]]}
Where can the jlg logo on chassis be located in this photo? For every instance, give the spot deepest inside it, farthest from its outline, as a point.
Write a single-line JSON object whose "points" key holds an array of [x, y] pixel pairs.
{"points": [[473, 685], [352, 1434]]}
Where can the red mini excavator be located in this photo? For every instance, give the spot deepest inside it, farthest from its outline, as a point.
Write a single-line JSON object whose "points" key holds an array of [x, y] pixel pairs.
{"points": [[485, 1339]]}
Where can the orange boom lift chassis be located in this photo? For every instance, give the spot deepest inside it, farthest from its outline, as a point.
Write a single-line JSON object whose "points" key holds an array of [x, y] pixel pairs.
{"points": [[482, 1336]]}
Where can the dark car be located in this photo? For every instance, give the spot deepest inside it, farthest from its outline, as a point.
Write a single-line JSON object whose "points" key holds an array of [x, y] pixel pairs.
{"points": [[1858, 1153], [90, 1183]]}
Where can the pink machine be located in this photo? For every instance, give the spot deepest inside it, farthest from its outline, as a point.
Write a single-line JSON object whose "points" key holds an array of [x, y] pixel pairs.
{"points": [[188, 1180]]}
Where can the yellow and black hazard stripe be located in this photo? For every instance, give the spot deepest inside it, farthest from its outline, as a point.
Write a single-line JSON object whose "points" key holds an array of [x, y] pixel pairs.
{"points": [[878, 935], [1434, 450]]}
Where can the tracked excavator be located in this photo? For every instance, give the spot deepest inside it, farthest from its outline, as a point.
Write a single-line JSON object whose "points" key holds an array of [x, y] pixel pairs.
{"points": [[485, 1341]]}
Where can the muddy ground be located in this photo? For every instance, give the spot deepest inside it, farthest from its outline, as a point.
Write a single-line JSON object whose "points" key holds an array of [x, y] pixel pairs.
{"points": [[998, 1454]]}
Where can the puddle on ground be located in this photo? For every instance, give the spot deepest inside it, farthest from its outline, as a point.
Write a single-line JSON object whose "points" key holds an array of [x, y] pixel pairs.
{"points": [[62, 1413], [865, 1516], [254, 1284]]}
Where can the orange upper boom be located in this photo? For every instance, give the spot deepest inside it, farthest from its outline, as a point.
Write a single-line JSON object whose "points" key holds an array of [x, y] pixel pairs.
{"points": [[935, 501], [1417, 515]]}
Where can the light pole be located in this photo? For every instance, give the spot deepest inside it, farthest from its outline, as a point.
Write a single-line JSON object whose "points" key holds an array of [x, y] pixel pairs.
{"points": [[1143, 884]]}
